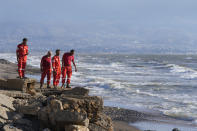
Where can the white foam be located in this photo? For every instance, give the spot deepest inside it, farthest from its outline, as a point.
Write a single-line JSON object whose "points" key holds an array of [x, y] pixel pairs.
{"points": [[184, 72]]}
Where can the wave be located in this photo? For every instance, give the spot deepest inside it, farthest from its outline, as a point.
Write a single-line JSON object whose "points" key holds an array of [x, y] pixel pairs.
{"points": [[184, 72]]}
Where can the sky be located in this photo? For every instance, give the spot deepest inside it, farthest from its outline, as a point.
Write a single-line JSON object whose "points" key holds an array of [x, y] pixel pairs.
{"points": [[153, 11], [146, 15]]}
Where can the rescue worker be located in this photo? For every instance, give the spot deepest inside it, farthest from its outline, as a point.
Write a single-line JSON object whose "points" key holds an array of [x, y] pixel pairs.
{"points": [[56, 68], [67, 59], [21, 54], [45, 67]]}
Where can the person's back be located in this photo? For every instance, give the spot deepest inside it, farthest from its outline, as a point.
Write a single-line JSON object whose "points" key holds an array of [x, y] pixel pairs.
{"points": [[46, 62], [68, 58], [45, 67]]}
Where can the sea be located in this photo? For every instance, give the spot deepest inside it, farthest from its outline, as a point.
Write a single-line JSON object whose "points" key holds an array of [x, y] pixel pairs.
{"points": [[163, 83]]}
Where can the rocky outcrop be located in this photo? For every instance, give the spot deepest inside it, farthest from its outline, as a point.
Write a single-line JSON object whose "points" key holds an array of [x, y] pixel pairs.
{"points": [[69, 110]]}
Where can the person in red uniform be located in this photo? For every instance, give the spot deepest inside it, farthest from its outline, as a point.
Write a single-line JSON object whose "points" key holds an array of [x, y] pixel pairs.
{"points": [[21, 54], [56, 68], [67, 59], [45, 67]]}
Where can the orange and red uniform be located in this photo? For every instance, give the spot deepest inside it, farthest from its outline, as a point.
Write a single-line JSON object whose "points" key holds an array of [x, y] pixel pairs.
{"points": [[67, 67], [56, 70], [22, 52], [46, 69]]}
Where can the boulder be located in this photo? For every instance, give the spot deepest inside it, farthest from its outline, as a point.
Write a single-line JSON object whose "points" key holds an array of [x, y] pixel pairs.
{"points": [[27, 108], [92, 105], [76, 128], [67, 117], [21, 84]]}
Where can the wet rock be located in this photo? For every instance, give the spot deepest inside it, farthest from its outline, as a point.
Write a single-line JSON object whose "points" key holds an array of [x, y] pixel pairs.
{"points": [[76, 128]]}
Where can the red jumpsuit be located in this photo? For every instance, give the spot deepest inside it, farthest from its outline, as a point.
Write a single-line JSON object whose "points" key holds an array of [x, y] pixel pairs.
{"points": [[56, 70], [22, 52], [67, 68], [46, 69]]}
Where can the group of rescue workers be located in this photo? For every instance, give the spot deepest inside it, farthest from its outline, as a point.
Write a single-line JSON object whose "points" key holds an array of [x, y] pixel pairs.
{"points": [[48, 65]]}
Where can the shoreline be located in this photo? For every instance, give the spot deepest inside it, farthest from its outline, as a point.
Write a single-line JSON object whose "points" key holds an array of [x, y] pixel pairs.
{"points": [[123, 119]]}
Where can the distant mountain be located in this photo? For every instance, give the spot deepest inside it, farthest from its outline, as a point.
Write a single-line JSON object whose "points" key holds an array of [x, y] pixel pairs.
{"points": [[97, 37]]}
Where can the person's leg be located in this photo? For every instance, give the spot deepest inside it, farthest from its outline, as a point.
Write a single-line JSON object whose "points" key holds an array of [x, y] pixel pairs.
{"points": [[42, 78], [48, 78], [20, 63], [69, 74], [58, 78], [54, 78], [63, 76], [23, 68]]}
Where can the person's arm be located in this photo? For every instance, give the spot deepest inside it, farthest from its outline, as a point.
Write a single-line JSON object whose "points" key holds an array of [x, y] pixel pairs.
{"points": [[17, 55], [27, 51], [74, 64], [63, 62], [53, 65], [41, 63]]}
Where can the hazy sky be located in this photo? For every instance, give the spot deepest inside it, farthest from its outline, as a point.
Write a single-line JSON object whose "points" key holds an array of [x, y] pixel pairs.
{"points": [[139, 11]]}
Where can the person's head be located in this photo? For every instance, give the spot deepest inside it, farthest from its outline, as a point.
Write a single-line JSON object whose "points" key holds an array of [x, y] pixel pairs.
{"points": [[25, 40], [57, 52], [72, 52], [49, 53]]}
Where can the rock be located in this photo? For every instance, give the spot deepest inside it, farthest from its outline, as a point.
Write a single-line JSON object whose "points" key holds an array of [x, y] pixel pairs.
{"points": [[6, 109], [46, 129], [65, 117], [92, 105], [72, 91], [3, 83], [21, 84], [17, 117], [28, 108], [103, 123], [175, 129], [94, 127], [77, 91], [75, 128], [56, 105], [9, 127], [23, 122]]}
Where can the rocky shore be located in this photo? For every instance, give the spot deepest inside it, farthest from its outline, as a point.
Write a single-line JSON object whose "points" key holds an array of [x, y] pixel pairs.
{"points": [[24, 107]]}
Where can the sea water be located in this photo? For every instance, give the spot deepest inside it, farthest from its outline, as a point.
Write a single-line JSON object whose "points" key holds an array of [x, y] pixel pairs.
{"points": [[164, 83]]}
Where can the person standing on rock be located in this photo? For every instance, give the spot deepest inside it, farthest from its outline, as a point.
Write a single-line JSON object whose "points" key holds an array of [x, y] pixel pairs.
{"points": [[21, 54], [45, 67], [56, 68], [67, 60]]}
